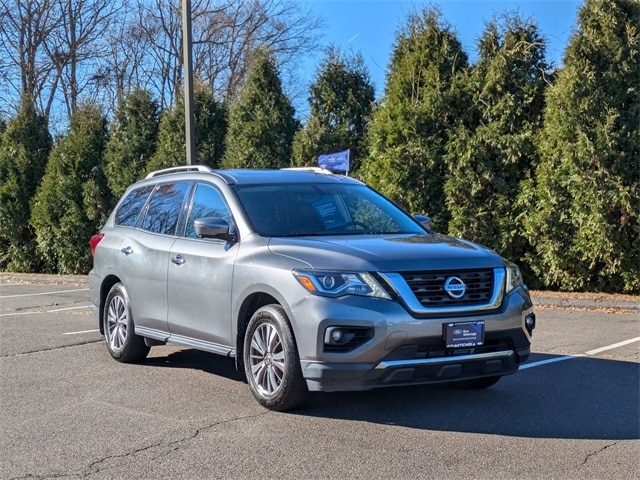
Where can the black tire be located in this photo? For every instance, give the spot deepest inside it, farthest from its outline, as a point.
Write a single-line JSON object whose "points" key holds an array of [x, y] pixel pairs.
{"points": [[271, 361], [476, 383], [123, 344]]}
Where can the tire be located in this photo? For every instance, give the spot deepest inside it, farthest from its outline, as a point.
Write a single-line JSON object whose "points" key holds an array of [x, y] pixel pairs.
{"points": [[476, 383], [123, 344], [271, 361]]}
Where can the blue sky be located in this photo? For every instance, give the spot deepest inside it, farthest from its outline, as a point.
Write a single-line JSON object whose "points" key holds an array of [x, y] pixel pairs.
{"points": [[369, 26]]}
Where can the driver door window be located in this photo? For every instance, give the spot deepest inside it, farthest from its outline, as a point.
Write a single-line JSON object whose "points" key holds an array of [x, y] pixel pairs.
{"points": [[207, 202]]}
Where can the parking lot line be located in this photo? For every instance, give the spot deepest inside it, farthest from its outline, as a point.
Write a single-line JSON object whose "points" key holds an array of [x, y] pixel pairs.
{"points": [[615, 345], [44, 293], [550, 360], [590, 353], [69, 308], [34, 312], [83, 331]]}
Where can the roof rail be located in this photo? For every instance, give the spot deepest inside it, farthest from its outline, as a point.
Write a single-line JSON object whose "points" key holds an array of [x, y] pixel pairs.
{"points": [[310, 169], [183, 168]]}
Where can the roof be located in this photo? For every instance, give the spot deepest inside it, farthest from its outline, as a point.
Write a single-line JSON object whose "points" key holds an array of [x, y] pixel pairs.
{"points": [[303, 175], [261, 177]]}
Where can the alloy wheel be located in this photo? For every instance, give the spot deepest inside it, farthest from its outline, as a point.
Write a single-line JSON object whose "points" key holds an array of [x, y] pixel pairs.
{"points": [[117, 323], [267, 358]]}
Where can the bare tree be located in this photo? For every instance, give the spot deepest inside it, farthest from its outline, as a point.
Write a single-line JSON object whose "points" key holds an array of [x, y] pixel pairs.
{"points": [[79, 46], [160, 26], [60, 51], [27, 69], [226, 39], [224, 33], [127, 52], [54, 50]]}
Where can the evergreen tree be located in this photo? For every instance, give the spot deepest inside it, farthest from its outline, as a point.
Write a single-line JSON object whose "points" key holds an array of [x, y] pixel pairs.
{"points": [[261, 120], [132, 141], [24, 151], [493, 150], [210, 130], [171, 149], [408, 132], [341, 100], [71, 203], [586, 227]]}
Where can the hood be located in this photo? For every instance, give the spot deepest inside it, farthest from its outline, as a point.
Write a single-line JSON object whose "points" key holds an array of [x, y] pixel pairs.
{"points": [[386, 253]]}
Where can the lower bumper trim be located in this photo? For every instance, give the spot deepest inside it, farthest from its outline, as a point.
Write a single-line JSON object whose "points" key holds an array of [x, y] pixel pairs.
{"points": [[344, 377], [386, 364]]}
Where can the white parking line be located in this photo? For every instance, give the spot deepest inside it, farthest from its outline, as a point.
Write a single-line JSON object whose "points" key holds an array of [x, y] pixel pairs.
{"points": [[43, 311], [69, 308], [611, 347], [590, 353], [550, 360], [83, 331], [44, 293]]}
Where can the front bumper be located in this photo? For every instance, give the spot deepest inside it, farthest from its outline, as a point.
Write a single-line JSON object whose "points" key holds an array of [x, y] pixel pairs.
{"points": [[406, 350], [340, 377]]}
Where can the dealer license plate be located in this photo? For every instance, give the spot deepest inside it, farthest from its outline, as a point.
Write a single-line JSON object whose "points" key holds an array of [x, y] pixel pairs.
{"points": [[464, 334]]}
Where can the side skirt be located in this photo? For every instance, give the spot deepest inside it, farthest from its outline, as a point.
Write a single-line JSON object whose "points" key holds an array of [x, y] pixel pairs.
{"points": [[166, 337]]}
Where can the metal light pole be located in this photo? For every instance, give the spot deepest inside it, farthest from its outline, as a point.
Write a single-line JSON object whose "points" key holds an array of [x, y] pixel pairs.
{"points": [[189, 117]]}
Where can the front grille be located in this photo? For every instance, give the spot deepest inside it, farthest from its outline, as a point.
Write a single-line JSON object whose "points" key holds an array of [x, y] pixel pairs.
{"points": [[428, 287]]}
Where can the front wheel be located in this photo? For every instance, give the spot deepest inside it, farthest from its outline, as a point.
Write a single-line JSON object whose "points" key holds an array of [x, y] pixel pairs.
{"points": [[123, 344], [271, 361]]}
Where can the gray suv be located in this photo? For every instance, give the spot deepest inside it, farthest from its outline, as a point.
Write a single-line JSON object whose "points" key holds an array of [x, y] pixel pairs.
{"points": [[311, 281]]}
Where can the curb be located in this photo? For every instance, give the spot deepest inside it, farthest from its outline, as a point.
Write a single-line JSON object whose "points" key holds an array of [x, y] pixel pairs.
{"points": [[43, 278], [586, 301]]}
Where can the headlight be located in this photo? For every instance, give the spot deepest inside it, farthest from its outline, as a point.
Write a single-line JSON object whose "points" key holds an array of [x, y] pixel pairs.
{"points": [[514, 277], [337, 284]]}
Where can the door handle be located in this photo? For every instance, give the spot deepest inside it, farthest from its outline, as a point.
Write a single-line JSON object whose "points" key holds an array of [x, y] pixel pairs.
{"points": [[178, 259], [127, 250]]}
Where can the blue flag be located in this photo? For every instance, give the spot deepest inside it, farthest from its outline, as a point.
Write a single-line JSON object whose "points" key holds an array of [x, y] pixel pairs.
{"points": [[336, 162]]}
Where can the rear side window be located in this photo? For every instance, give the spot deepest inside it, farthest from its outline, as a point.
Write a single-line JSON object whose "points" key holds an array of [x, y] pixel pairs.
{"points": [[129, 210], [165, 207]]}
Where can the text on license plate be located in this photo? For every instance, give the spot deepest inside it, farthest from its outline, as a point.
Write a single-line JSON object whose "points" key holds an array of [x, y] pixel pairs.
{"points": [[464, 334]]}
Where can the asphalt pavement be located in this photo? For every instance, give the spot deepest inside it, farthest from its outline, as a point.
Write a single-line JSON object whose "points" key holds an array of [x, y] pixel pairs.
{"points": [[69, 411]]}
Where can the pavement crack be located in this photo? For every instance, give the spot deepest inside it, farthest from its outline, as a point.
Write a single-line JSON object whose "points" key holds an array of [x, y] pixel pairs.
{"points": [[51, 349], [597, 452], [166, 447]]}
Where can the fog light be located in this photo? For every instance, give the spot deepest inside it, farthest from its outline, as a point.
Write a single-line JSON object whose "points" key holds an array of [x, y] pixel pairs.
{"points": [[345, 338], [336, 335], [530, 322]]}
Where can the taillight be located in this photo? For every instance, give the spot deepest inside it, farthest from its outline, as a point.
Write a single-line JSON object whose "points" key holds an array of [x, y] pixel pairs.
{"points": [[95, 240]]}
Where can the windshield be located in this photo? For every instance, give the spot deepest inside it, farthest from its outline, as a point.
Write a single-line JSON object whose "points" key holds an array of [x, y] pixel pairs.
{"points": [[322, 209]]}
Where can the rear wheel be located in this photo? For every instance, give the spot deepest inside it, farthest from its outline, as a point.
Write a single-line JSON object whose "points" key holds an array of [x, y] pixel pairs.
{"points": [[271, 361], [476, 383], [123, 344]]}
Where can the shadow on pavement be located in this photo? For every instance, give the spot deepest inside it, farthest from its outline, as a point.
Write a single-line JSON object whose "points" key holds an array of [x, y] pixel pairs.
{"points": [[197, 360], [582, 398]]}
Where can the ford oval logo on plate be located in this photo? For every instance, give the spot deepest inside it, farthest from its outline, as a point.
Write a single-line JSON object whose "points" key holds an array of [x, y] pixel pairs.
{"points": [[455, 287]]}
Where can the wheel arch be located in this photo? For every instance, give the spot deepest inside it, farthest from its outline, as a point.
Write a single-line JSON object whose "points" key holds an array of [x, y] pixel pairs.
{"points": [[250, 305], [108, 282]]}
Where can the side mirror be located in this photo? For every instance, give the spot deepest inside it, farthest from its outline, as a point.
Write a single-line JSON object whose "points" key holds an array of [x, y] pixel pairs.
{"points": [[214, 227], [425, 221]]}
